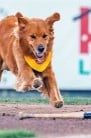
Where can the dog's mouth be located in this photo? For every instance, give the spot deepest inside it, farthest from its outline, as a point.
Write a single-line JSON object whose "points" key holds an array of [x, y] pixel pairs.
{"points": [[39, 57], [39, 54]]}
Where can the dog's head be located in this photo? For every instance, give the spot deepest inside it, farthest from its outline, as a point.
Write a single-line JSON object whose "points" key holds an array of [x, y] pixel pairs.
{"points": [[36, 35]]}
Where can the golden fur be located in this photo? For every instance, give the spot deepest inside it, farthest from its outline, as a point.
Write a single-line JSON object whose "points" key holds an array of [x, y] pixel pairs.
{"points": [[34, 37]]}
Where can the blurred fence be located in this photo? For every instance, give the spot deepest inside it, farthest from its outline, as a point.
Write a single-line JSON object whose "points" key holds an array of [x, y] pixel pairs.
{"points": [[11, 93]]}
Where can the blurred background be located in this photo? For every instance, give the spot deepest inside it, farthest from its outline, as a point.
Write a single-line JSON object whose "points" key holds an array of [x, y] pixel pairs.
{"points": [[72, 44]]}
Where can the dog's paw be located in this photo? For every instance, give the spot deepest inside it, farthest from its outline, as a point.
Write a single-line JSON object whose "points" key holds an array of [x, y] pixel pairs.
{"points": [[37, 83], [24, 86], [59, 104]]}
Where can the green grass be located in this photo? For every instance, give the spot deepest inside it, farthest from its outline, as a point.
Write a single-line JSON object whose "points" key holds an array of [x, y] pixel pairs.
{"points": [[24, 100], [40, 100], [77, 100], [16, 134]]}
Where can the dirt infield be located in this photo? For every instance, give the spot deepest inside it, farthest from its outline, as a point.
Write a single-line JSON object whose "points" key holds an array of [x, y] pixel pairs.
{"points": [[45, 127]]}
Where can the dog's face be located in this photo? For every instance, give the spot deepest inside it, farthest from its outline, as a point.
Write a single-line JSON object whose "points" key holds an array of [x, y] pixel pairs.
{"points": [[37, 35]]}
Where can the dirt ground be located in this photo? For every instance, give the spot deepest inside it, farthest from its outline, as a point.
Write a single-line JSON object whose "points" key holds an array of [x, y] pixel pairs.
{"points": [[45, 127]]}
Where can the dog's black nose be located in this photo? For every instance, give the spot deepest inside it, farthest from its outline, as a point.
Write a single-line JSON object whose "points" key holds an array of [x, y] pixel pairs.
{"points": [[41, 48]]}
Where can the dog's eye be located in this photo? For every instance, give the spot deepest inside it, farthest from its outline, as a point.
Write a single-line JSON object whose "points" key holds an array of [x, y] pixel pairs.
{"points": [[44, 36], [33, 36]]}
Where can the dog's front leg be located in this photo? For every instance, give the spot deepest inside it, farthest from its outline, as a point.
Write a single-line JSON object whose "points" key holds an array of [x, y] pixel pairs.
{"points": [[26, 78], [51, 86]]}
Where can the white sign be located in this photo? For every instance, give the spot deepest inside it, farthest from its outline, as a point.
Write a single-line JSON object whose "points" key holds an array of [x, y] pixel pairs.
{"points": [[72, 54]]}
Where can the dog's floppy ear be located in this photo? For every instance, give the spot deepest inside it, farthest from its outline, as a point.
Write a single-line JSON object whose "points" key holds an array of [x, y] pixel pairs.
{"points": [[21, 20], [53, 18]]}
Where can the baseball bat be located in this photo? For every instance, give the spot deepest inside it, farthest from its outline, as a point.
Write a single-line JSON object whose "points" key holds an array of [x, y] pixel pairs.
{"points": [[72, 115]]}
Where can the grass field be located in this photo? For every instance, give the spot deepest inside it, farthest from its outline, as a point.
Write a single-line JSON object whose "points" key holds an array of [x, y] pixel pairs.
{"points": [[16, 134], [36, 97], [39, 100]]}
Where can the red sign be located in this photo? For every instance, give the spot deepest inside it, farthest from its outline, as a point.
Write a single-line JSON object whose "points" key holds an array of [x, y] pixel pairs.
{"points": [[85, 35]]}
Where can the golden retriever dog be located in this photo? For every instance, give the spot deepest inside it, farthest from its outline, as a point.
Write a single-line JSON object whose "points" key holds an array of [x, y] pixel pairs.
{"points": [[26, 47]]}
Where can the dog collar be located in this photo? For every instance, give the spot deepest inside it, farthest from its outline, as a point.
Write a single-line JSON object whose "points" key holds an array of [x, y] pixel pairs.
{"points": [[38, 67]]}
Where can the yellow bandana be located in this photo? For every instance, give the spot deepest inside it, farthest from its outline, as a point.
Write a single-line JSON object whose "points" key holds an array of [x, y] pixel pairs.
{"points": [[38, 67]]}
